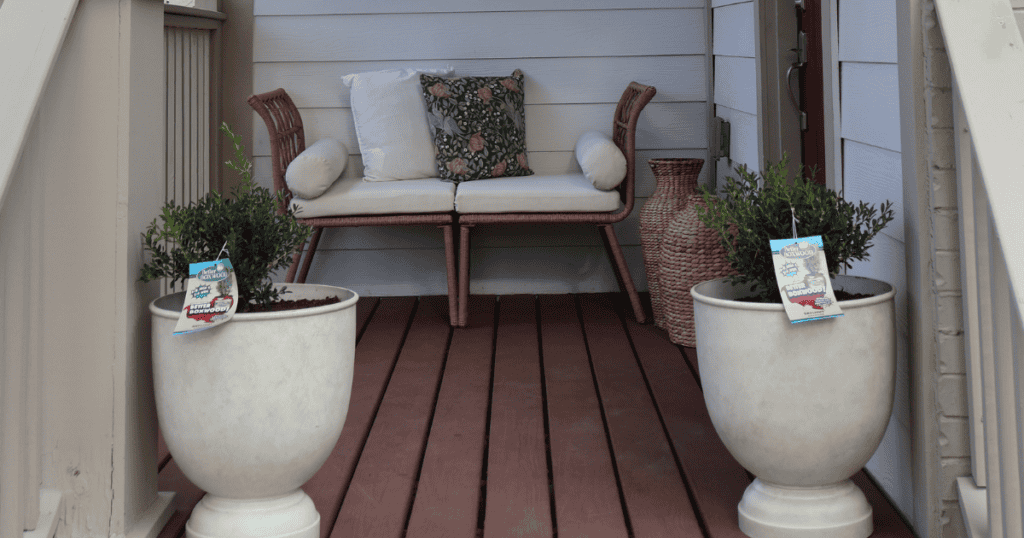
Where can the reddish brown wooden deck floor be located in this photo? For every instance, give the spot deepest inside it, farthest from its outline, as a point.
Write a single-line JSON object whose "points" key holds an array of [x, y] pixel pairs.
{"points": [[555, 415]]}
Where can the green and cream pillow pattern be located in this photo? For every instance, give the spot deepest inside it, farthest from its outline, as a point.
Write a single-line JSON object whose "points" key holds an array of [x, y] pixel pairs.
{"points": [[478, 125]]}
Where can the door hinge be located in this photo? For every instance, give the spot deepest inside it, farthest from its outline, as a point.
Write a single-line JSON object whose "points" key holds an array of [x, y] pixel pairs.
{"points": [[720, 138]]}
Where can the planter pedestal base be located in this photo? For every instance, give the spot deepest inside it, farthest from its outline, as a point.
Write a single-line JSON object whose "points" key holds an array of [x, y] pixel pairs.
{"points": [[836, 511], [289, 516]]}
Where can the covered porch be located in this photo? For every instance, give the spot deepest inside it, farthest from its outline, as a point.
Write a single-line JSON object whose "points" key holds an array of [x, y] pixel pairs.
{"points": [[551, 415]]}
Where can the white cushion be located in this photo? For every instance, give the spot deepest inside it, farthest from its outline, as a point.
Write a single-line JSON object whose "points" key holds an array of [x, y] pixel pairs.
{"points": [[315, 169], [533, 194], [602, 161], [390, 116], [353, 196]]}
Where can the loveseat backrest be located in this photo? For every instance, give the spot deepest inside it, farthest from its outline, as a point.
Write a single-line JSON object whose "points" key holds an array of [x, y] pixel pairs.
{"points": [[287, 138], [627, 113]]}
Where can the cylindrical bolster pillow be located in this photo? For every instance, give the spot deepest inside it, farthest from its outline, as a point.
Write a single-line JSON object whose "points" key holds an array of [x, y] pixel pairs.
{"points": [[314, 170], [601, 160]]}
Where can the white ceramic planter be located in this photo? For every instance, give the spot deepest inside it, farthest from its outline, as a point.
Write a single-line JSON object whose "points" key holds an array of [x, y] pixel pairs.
{"points": [[251, 409], [801, 406]]}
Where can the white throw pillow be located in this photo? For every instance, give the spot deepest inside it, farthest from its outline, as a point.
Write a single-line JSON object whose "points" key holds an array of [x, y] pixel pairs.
{"points": [[391, 123], [317, 168], [601, 160]]}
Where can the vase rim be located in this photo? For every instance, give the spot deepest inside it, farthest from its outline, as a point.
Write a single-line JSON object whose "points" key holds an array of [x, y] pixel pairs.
{"points": [[348, 298], [704, 292]]}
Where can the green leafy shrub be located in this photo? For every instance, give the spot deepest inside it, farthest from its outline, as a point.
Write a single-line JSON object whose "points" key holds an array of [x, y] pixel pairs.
{"points": [[757, 208], [259, 240]]}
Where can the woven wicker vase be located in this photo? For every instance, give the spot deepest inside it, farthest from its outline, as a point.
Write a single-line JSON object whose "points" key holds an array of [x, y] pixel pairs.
{"points": [[676, 181], [690, 254]]}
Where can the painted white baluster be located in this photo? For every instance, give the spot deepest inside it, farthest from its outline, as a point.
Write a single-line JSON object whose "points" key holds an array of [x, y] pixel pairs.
{"points": [[969, 276], [986, 345], [1016, 385], [1006, 416]]}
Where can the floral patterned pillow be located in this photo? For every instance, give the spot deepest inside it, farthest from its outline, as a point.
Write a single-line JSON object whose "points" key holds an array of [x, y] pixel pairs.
{"points": [[478, 125]]}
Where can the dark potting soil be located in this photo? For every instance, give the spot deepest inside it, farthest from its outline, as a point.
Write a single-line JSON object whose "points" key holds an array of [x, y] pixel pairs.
{"points": [[295, 304], [841, 295]]}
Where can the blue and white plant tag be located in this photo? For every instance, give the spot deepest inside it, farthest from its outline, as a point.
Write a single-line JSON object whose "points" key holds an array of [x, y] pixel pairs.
{"points": [[802, 274], [211, 296]]}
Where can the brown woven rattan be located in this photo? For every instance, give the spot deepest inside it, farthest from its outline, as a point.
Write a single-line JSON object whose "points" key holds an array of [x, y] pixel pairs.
{"points": [[632, 102], [690, 254], [676, 180], [287, 140]]}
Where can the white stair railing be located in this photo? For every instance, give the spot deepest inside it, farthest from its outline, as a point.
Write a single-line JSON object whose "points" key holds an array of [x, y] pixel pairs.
{"points": [[31, 36], [986, 53]]}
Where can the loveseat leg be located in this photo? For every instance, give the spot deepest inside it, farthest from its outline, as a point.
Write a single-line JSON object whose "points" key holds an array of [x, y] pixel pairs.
{"points": [[289, 278], [464, 275], [450, 272], [314, 241], [611, 244]]}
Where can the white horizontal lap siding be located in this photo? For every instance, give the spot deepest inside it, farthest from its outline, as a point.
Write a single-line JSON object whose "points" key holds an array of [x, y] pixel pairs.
{"points": [[869, 122], [735, 83], [548, 80], [577, 63], [432, 36], [333, 7], [870, 104], [548, 127]]}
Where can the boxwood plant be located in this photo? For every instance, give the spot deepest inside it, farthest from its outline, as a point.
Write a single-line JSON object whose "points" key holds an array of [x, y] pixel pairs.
{"points": [[258, 239], [757, 208]]}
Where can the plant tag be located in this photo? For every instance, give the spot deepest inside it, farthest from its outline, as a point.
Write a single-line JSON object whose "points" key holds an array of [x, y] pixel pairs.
{"points": [[801, 271], [211, 296]]}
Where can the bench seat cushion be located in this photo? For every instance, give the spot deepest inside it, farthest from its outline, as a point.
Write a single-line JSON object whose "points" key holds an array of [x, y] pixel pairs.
{"points": [[534, 194], [353, 196]]}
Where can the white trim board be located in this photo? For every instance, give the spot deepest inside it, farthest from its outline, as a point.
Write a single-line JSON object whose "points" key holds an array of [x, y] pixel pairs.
{"points": [[51, 506]]}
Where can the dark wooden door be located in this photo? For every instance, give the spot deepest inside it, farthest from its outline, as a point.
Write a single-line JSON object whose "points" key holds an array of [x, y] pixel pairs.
{"points": [[812, 99]]}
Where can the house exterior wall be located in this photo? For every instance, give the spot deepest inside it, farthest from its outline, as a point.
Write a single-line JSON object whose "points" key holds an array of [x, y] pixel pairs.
{"points": [[949, 366], [735, 83], [939, 391], [577, 62], [870, 170], [83, 190]]}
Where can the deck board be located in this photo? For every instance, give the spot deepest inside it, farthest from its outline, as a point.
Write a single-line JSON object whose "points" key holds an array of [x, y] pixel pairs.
{"points": [[187, 496], [587, 499], [715, 478], [376, 353], [655, 496], [448, 495], [594, 425], [380, 494], [518, 498]]}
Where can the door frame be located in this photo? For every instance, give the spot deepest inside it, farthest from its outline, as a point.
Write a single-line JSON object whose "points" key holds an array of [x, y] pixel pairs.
{"points": [[777, 119], [830, 92]]}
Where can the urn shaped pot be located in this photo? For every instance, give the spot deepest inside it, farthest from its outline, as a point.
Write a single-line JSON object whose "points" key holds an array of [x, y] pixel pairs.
{"points": [[252, 408], [801, 406]]}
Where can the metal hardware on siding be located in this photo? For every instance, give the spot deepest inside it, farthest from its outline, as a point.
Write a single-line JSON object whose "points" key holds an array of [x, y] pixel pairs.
{"points": [[800, 4], [801, 60], [720, 138]]}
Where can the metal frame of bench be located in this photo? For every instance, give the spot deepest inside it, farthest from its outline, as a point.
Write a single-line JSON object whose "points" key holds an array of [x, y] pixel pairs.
{"points": [[632, 102], [287, 141]]}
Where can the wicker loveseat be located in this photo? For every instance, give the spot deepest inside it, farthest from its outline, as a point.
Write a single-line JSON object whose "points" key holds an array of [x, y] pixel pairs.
{"points": [[566, 198]]}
